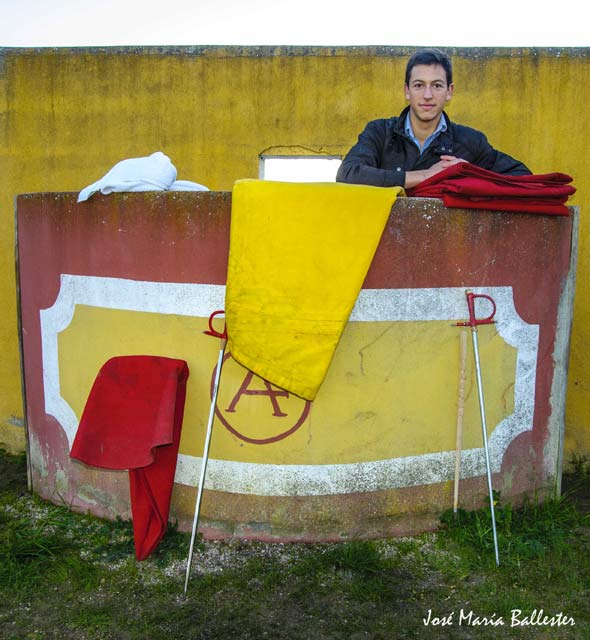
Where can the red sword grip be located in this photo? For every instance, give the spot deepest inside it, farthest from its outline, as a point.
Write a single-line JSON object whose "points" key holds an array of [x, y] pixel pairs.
{"points": [[474, 321], [213, 332]]}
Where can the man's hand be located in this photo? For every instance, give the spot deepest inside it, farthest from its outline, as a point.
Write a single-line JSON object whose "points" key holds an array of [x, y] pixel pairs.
{"points": [[446, 162], [414, 178]]}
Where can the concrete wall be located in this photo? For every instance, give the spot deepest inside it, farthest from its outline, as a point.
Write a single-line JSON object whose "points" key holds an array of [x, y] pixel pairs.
{"points": [[374, 453], [67, 115]]}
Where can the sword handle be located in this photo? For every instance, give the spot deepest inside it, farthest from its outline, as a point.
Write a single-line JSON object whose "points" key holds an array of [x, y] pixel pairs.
{"points": [[474, 321], [213, 332]]}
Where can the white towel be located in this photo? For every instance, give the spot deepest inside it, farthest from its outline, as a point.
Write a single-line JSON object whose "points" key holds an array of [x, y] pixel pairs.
{"points": [[187, 185], [153, 173]]}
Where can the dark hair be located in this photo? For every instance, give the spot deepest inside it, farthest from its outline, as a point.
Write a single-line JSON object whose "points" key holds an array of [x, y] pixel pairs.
{"points": [[430, 57]]}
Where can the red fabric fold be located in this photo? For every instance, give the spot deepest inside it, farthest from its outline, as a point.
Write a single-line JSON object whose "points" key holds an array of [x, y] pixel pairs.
{"points": [[132, 420], [468, 186], [514, 205]]}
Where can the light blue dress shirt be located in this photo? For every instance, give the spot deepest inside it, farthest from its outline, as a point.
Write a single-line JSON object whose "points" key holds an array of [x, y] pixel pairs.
{"points": [[442, 126]]}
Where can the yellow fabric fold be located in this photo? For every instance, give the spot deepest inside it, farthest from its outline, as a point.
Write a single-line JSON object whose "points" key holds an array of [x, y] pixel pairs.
{"points": [[298, 256]]}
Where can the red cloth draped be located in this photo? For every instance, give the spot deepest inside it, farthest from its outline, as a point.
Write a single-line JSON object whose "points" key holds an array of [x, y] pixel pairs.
{"points": [[132, 420], [467, 186]]}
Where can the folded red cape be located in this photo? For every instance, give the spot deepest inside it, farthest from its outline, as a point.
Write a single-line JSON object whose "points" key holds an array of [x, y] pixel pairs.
{"points": [[132, 420], [468, 186]]}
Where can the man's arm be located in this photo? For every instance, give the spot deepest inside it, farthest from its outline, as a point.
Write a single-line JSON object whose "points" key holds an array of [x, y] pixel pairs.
{"points": [[414, 178], [491, 159], [361, 164], [503, 163]]}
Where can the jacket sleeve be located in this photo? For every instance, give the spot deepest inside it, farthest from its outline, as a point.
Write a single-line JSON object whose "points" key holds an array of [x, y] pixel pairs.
{"points": [[361, 164], [489, 158]]}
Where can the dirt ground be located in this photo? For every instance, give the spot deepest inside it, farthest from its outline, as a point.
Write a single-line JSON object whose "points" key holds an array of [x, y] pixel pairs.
{"points": [[93, 589]]}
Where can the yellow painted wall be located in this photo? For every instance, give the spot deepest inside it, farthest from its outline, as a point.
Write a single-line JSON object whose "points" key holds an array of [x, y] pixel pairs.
{"points": [[418, 405], [68, 115]]}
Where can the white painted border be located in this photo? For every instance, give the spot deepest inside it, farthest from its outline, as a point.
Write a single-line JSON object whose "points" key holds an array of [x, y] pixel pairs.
{"points": [[402, 305]]}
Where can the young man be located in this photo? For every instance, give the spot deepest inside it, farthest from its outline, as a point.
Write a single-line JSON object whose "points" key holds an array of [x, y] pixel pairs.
{"points": [[422, 141]]}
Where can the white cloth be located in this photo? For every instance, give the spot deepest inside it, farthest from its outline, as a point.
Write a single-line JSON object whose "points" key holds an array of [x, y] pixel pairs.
{"points": [[152, 173], [187, 185]]}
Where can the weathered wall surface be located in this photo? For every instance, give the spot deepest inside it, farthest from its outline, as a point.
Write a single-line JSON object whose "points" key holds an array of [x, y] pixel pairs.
{"points": [[374, 453], [68, 115]]}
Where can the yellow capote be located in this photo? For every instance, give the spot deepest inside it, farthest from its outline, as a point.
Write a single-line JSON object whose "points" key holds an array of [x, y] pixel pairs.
{"points": [[298, 256]]}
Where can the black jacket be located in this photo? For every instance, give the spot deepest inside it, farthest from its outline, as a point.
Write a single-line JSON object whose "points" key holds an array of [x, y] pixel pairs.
{"points": [[384, 153]]}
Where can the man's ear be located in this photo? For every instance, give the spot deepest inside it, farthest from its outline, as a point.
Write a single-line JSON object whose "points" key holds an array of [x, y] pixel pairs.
{"points": [[407, 91], [450, 90]]}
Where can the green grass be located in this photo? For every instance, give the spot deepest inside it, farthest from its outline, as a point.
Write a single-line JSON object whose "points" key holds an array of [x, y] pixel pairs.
{"points": [[529, 532], [65, 575]]}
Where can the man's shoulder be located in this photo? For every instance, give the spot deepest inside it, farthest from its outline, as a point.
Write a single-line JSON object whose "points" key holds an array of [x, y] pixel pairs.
{"points": [[383, 124]]}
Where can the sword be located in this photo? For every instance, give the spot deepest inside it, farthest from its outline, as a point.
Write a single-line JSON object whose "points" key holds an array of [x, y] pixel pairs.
{"points": [[473, 322], [223, 338]]}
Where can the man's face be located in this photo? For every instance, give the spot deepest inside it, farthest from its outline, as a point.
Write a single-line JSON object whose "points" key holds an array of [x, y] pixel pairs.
{"points": [[428, 92]]}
